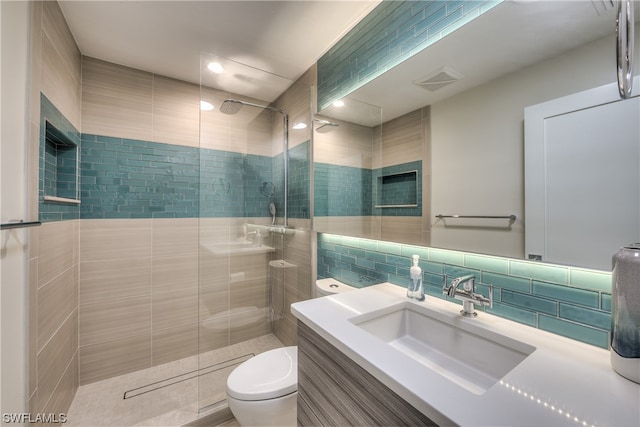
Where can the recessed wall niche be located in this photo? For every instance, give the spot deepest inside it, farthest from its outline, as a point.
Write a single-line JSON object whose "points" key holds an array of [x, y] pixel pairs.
{"points": [[60, 166]]}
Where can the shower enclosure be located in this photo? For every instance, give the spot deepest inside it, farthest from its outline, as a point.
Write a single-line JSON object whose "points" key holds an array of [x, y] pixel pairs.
{"points": [[243, 222]]}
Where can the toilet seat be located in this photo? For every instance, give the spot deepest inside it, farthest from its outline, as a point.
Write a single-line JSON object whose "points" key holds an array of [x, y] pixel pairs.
{"points": [[268, 375]]}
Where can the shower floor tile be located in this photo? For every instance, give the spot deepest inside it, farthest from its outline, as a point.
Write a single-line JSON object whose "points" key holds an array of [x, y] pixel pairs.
{"points": [[168, 403]]}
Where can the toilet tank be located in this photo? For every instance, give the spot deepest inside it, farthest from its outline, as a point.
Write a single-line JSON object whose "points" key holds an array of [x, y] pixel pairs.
{"points": [[331, 286]]}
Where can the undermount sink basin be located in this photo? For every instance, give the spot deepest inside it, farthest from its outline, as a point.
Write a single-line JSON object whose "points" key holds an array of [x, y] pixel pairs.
{"points": [[470, 356]]}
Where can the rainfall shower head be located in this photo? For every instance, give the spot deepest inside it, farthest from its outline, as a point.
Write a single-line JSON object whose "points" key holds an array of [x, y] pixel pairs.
{"points": [[325, 125], [232, 106]]}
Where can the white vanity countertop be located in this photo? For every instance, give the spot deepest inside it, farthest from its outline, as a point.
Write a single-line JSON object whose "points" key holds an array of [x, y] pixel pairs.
{"points": [[562, 383]]}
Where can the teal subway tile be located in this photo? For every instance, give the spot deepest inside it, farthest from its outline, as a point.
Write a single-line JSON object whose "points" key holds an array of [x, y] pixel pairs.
{"points": [[390, 248], [543, 272], [575, 331], [605, 302], [351, 242], [398, 260], [516, 314], [566, 293], [486, 263], [365, 263], [453, 271], [585, 316], [398, 279], [434, 279], [446, 256], [433, 290], [409, 250], [361, 253], [540, 305], [330, 238], [589, 279], [434, 13], [386, 268], [432, 267], [347, 259]]}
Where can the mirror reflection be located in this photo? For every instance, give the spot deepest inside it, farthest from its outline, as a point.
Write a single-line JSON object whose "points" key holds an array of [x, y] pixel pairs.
{"points": [[469, 134]]}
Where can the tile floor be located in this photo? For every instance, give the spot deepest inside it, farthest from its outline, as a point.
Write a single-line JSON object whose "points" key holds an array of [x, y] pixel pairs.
{"points": [[168, 402]]}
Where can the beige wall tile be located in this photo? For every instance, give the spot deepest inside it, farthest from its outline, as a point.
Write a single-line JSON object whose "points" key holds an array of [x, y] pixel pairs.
{"points": [[213, 271], [175, 308], [171, 273], [114, 278], [55, 27], [115, 319], [213, 300], [56, 250], [65, 390], [110, 359], [402, 139], [33, 171], [175, 236], [60, 62], [296, 101], [406, 229], [114, 117], [102, 239], [248, 267], [33, 326], [116, 101], [176, 112], [55, 301], [105, 79], [35, 45], [55, 357], [174, 343], [251, 293], [211, 338]]}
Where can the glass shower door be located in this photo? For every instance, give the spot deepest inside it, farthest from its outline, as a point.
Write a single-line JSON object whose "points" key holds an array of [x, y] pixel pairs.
{"points": [[237, 187]]}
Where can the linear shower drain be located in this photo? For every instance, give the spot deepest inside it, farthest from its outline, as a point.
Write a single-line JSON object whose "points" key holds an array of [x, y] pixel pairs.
{"points": [[186, 376]]}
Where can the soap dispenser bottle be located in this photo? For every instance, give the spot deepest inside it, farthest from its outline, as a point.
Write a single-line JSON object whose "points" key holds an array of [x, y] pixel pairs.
{"points": [[415, 289]]}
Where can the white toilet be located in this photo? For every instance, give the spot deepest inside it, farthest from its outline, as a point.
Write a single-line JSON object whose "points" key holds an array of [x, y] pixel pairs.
{"points": [[263, 391]]}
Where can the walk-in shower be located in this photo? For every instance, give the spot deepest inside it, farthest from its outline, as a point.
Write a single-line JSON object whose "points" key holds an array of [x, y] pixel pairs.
{"points": [[233, 106]]}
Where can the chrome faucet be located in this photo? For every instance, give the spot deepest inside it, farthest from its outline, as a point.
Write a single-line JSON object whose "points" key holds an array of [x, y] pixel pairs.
{"points": [[467, 294]]}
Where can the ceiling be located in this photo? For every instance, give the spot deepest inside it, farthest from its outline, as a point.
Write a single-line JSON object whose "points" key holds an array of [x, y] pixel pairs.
{"points": [[276, 41], [269, 44]]}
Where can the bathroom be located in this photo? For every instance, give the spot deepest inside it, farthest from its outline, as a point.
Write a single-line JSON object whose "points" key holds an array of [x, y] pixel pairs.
{"points": [[154, 275]]}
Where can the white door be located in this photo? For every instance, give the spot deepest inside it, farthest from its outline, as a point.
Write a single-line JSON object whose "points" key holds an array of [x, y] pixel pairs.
{"points": [[584, 203]]}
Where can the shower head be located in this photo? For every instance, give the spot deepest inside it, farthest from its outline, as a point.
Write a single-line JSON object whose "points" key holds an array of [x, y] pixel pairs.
{"points": [[325, 125], [232, 106]]}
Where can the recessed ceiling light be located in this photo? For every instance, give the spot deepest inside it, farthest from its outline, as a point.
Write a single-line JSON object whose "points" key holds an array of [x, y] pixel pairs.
{"points": [[338, 103], [206, 106], [299, 125], [215, 67]]}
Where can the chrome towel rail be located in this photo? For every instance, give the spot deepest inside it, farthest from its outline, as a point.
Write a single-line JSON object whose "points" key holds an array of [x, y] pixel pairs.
{"points": [[509, 217], [19, 224]]}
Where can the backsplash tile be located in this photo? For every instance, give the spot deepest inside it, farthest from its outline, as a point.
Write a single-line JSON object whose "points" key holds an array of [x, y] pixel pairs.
{"points": [[530, 293]]}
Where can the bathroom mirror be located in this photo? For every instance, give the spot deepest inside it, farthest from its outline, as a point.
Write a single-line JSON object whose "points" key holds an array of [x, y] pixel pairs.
{"points": [[516, 55]]}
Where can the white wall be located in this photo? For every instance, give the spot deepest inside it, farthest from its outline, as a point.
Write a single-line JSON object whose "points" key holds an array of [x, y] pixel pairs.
{"points": [[478, 147], [14, 41]]}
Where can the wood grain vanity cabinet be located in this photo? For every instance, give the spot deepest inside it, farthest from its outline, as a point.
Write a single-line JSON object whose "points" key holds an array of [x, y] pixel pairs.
{"points": [[333, 390]]}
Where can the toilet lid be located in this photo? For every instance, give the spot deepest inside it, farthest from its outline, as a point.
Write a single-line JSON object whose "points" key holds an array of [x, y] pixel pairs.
{"points": [[268, 375]]}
